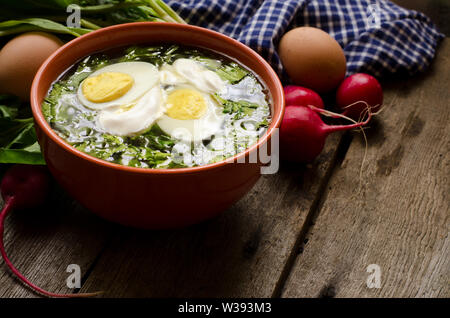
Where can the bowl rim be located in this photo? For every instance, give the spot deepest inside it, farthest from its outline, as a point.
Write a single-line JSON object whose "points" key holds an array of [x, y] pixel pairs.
{"points": [[49, 132]]}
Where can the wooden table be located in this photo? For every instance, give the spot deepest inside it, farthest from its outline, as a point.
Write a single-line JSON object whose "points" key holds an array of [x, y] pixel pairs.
{"points": [[308, 231]]}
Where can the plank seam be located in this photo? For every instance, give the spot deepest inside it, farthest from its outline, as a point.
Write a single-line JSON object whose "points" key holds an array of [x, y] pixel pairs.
{"points": [[314, 211], [94, 264]]}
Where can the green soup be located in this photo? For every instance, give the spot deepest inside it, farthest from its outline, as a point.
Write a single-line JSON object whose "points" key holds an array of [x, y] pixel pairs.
{"points": [[158, 107]]}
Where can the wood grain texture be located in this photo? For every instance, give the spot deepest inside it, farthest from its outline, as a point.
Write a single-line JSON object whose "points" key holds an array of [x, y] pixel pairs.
{"points": [[42, 242], [437, 10], [242, 253], [399, 218]]}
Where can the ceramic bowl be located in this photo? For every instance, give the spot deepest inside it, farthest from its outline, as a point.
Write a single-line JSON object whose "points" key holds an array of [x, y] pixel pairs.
{"points": [[151, 198]]}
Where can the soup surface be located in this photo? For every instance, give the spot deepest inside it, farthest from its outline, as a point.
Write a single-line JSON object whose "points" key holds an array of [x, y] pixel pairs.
{"points": [[158, 107]]}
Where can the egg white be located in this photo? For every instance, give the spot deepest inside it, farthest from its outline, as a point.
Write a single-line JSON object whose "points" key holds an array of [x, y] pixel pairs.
{"points": [[194, 129], [198, 75], [169, 76], [131, 121], [145, 76]]}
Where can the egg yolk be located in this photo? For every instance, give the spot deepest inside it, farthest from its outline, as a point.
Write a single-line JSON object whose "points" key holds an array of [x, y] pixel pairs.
{"points": [[185, 104], [106, 87]]}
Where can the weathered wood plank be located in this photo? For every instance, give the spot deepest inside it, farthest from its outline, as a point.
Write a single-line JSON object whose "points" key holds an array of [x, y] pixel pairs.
{"points": [[437, 10], [41, 243], [399, 219], [241, 253]]}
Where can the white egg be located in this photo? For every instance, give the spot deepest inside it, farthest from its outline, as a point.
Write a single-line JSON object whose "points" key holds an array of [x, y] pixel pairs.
{"points": [[198, 75], [128, 121], [145, 76], [210, 123]]}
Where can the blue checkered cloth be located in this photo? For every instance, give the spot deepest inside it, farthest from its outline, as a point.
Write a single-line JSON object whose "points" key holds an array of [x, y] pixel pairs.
{"points": [[377, 36]]}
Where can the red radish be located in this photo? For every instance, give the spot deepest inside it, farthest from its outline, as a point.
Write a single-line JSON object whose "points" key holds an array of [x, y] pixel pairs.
{"points": [[25, 187], [303, 133], [355, 90], [297, 95]]}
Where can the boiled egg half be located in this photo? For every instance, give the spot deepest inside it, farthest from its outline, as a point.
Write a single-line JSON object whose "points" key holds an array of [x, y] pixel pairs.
{"points": [[137, 117], [117, 85], [191, 115]]}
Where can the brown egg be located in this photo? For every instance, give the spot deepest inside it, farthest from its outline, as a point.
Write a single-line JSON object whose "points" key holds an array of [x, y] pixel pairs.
{"points": [[20, 59], [312, 58]]}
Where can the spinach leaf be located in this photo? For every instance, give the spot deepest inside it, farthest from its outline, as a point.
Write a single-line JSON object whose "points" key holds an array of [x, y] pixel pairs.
{"points": [[29, 155], [18, 141], [38, 24], [8, 112]]}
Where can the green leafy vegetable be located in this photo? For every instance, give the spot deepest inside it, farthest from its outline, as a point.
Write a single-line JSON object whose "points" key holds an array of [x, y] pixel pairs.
{"points": [[50, 15], [159, 55], [156, 55], [29, 155], [18, 141], [240, 109], [232, 72], [263, 124], [38, 24], [8, 112], [146, 150], [154, 138]]}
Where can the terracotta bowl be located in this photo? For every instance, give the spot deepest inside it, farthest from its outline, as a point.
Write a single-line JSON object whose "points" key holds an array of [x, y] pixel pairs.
{"points": [[150, 198]]}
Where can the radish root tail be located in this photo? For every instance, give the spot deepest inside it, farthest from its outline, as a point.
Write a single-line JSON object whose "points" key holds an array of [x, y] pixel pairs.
{"points": [[8, 206], [358, 124], [355, 124], [367, 106]]}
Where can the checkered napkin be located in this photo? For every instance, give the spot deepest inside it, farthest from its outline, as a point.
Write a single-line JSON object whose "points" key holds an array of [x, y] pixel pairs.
{"points": [[378, 36]]}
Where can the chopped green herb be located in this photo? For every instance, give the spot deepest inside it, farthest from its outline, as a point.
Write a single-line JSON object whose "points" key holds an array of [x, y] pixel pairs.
{"points": [[232, 72], [240, 109]]}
